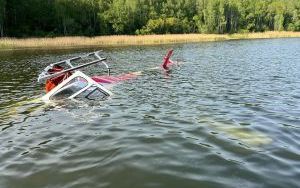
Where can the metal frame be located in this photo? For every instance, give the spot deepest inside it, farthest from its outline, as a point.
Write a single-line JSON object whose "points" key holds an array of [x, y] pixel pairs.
{"points": [[45, 74], [91, 86]]}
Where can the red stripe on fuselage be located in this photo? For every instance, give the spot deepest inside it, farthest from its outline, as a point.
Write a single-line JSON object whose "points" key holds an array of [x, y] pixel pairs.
{"points": [[114, 79]]}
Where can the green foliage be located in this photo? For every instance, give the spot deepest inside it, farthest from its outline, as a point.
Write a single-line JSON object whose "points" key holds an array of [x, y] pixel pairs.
{"points": [[165, 25], [105, 17], [120, 16], [2, 16]]}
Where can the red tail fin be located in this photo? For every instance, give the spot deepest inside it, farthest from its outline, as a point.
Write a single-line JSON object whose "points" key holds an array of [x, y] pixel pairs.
{"points": [[167, 62]]}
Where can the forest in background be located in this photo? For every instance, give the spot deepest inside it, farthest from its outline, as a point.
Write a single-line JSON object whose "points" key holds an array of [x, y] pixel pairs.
{"points": [[49, 18]]}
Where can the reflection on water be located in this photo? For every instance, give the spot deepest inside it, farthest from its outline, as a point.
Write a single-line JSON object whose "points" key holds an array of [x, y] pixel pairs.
{"points": [[227, 117]]}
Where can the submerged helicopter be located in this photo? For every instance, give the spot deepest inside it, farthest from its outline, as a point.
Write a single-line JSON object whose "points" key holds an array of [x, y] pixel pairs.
{"points": [[65, 80]]}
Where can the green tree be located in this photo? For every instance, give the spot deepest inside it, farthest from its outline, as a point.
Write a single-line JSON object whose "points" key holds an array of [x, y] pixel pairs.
{"points": [[120, 17], [104, 17], [2, 16]]}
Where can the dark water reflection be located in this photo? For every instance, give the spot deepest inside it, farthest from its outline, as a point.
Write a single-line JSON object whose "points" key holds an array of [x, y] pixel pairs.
{"points": [[227, 117]]}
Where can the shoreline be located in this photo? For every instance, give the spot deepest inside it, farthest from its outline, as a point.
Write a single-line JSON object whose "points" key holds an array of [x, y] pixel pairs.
{"points": [[75, 42]]}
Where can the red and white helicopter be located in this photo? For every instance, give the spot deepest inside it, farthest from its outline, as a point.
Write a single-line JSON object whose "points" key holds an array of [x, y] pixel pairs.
{"points": [[64, 80]]}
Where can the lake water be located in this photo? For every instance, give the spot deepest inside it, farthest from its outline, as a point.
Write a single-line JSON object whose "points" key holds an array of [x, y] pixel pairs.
{"points": [[229, 116]]}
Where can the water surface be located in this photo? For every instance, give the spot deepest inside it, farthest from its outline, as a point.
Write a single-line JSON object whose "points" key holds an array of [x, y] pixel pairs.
{"points": [[229, 116]]}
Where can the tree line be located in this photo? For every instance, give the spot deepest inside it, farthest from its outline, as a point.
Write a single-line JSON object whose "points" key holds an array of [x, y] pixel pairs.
{"points": [[108, 17]]}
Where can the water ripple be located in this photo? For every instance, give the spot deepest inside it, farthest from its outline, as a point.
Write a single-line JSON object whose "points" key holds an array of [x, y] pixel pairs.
{"points": [[227, 117]]}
